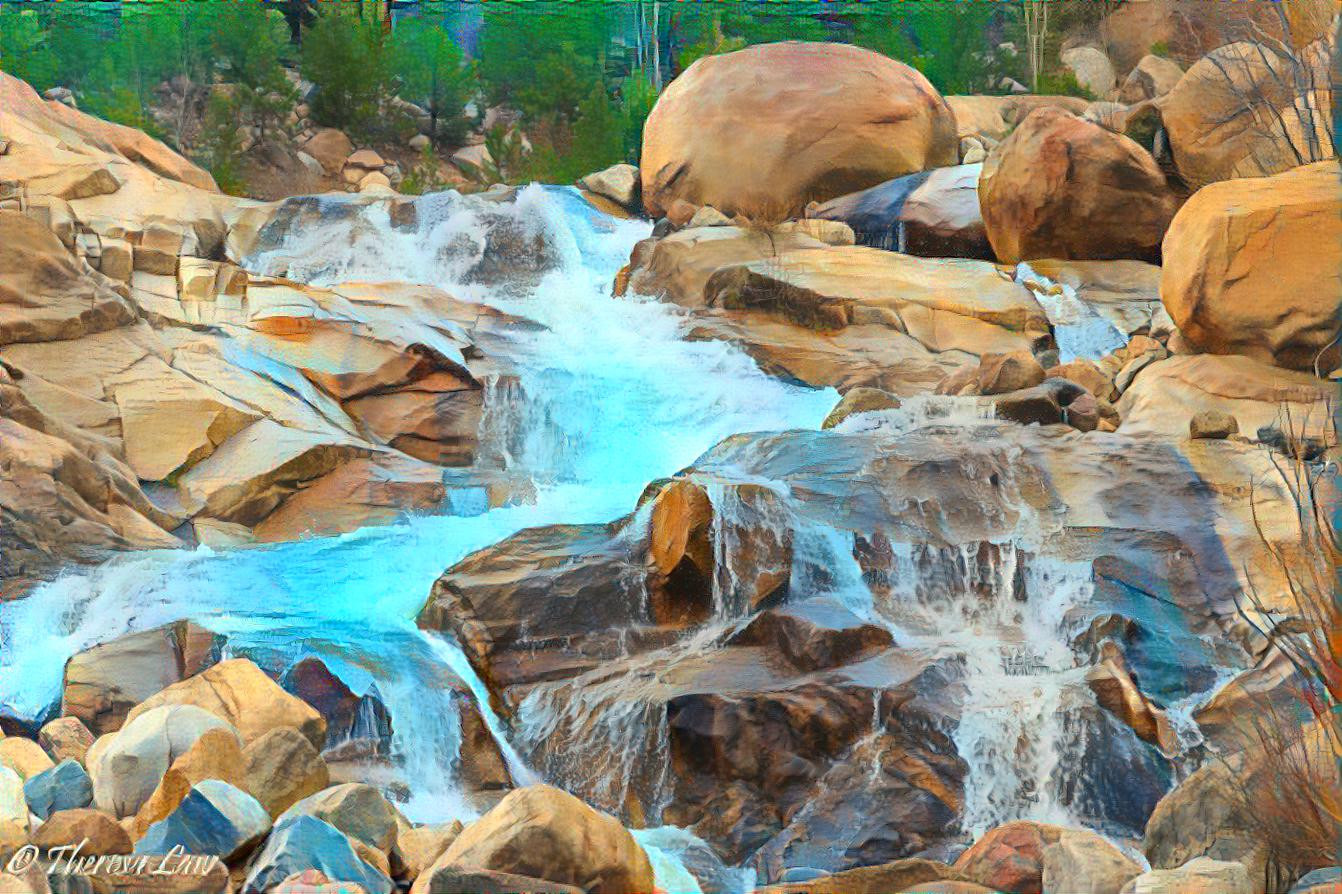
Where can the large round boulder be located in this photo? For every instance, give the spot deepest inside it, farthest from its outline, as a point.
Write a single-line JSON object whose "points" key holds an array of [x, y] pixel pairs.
{"points": [[765, 130], [545, 833], [1254, 267], [1249, 110], [1063, 187]]}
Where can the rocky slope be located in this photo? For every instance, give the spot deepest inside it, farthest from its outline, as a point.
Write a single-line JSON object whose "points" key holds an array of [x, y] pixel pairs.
{"points": [[973, 635]]}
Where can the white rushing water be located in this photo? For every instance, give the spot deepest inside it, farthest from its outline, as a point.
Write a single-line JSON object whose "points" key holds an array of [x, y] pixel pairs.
{"points": [[611, 398]]}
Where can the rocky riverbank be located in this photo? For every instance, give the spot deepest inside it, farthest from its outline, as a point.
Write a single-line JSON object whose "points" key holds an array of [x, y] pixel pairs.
{"points": [[1011, 620]]}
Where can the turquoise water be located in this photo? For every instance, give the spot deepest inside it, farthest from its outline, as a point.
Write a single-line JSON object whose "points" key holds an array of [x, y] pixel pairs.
{"points": [[611, 398]]}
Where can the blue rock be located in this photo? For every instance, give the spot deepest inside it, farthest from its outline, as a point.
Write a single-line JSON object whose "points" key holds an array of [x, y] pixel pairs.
{"points": [[301, 842], [65, 786], [214, 819]]}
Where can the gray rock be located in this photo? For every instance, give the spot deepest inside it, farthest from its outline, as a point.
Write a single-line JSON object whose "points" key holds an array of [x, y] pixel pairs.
{"points": [[299, 843], [214, 818], [65, 786], [619, 183]]}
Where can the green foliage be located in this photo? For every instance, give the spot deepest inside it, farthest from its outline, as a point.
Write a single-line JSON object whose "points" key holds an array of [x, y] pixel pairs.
{"points": [[424, 176], [222, 147], [248, 42], [24, 50], [348, 61], [1161, 48], [507, 161], [433, 72], [544, 58], [1062, 83]]}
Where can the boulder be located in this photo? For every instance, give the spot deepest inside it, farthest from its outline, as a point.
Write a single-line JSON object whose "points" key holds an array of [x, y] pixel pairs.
{"points": [[901, 875], [101, 832], [457, 880], [24, 756], [283, 768], [767, 129], [1254, 267], [1212, 425], [1010, 858], [1013, 371], [104, 682], [357, 810], [1063, 187], [214, 818], [128, 768], [65, 738], [990, 119], [215, 755], [302, 843], [932, 213], [65, 786], [330, 147], [543, 832], [1151, 78], [708, 216], [1082, 862], [1092, 69], [860, 400], [14, 822], [419, 847], [239, 692], [366, 159], [619, 183], [1200, 876], [1045, 404], [813, 635], [1117, 692], [1248, 110]]}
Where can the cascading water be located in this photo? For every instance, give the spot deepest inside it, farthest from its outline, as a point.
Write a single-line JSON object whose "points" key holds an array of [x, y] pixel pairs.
{"points": [[608, 397], [1081, 333]]}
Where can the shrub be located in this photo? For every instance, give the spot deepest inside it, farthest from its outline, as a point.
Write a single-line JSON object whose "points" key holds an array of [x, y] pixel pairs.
{"points": [[346, 59]]}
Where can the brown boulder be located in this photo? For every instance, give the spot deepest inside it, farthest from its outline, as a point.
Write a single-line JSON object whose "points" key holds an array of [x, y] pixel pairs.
{"points": [[215, 755], [1013, 371], [330, 147], [238, 691], [991, 118], [420, 847], [813, 635], [65, 737], [1117, 693], [1010, 858], [546, 833], [456, 880], [283, 768], [106, 681], [1212, 425], [100, 831], [1153, 77], [765, 130], [1254, 267], [901, 875], [1062, 187], [1249, 110], [1083, 862], [24, 756]]}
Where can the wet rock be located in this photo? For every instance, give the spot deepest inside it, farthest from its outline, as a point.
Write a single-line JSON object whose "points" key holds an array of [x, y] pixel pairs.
{"points": [[933, 213], [482, 766], [1082, 861], [813, 635], [1252, 268], [1200, 876], [214, 818], [1245, 111], [24, 756], [1061, 187], [217, 754], [785, 146], [1004, 373], [1010, 858], [619, 183], [543, 832], [65, 738], [1117, 692], [860, 400], [301, 843], [128, 768], [1212, 425], [102, 833], [1044, 404], [103, 683], [239, 692], [65, 786], [358, 810], [348, 717], [282, 768]]}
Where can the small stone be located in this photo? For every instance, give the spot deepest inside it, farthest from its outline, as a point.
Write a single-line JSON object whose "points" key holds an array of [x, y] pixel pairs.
{"points": [[972, 151], [1005, 373], [708, 216], [66, 738], [366, 159], [419, 142], [1212, 425]]}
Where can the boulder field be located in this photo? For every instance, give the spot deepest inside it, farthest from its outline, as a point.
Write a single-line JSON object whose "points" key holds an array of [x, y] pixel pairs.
{"points": [[996, 626]]}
